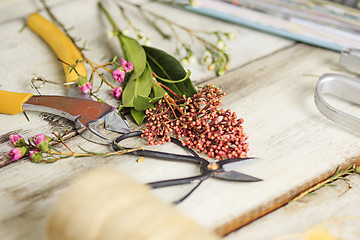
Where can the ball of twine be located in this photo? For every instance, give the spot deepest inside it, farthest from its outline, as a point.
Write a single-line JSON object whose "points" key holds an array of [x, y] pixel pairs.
{"points": [[106, 204]]}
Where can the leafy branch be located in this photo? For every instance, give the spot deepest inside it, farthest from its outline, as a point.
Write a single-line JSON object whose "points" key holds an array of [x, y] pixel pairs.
{"points": [[338, 175]]}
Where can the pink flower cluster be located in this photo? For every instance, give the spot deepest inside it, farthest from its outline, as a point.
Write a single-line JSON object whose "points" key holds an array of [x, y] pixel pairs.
{"points": [[19, 149], [84, 84], [86, 87], [40, 141], [199, 123], [119, 75]]}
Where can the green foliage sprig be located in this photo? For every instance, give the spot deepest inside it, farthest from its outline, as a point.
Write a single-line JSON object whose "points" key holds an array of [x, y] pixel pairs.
{"points": [[151, 65]]}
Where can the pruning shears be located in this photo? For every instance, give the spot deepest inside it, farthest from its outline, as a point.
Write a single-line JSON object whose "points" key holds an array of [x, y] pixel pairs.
{"points": [[223, 170], [87, 114]]}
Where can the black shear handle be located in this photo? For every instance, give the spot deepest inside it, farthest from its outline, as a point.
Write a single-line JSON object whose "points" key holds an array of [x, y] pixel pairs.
{"points": [[178, 181], [156, 154]]}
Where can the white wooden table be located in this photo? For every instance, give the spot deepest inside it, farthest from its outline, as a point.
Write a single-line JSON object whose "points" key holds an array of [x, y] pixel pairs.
{"points": [[270, 85]]}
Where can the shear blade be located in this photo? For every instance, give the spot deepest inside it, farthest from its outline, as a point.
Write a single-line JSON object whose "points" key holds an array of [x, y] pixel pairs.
{"points": [[115, 122], [91, 132], [236, 176], [232, 164]]}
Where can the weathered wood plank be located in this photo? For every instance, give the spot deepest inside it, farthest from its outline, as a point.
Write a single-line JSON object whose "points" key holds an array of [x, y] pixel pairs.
{"points": [[268, 88], [331, 210]]}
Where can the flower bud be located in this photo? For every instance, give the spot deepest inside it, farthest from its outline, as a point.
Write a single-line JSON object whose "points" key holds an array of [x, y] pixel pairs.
{"points": [[17, 140], [221, 72], [127, 66], [82, 80], [211, 67], [207, 58], [17, 153], [116, 92], [84, 84], [220, 44], [140, 35], [35, 156], [119, 75], [147, 42], [126, 32], [232, 36], [192, 58], [110, 34], [41, 142], [185, 61]]}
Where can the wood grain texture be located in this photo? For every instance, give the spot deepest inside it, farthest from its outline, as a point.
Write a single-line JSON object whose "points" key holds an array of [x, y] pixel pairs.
{"points": [[269, 87]]}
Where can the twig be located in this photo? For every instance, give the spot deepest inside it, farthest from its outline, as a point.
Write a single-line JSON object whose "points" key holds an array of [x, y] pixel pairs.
{"points": [[338, 175]]}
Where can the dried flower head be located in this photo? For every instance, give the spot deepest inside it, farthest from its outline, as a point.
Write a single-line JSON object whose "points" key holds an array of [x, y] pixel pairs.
{"points": [[199, 123]]}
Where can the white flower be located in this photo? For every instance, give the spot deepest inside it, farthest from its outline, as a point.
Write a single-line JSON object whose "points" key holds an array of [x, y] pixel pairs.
{"points": [[220, 44], [232, 36], [147, 42], [184, 61], [140, 35], [192, 58], [207, 58], [126, 32]]}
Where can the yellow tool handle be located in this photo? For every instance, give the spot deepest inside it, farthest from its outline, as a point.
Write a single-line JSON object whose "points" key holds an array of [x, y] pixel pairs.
{"points": [[61, 44], [12, 102]]}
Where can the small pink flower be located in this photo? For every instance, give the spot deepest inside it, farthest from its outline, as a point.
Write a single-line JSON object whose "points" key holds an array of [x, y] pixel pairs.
{"points": [[17, 140], [119, 75], [127, 66], [116, 92], [17, 153], [35, 156], [41, 142], [85, 88], [38, 139]]}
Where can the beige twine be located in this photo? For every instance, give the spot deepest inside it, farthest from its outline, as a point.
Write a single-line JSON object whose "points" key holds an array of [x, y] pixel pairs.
{"points": [[106, 204]]}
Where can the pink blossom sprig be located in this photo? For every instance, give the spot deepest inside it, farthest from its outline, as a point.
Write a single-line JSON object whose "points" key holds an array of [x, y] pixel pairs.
{"points": [[84, 84], [199, 123], [38, 149], [120, 74], [39, 143]]}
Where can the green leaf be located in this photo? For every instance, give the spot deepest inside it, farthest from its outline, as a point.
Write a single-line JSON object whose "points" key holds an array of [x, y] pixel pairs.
{"points": [[138, 116], [133, 52], [175, 81], [167, 67], [94, 153], [142, 103], [140, 86], [157, 91]]}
